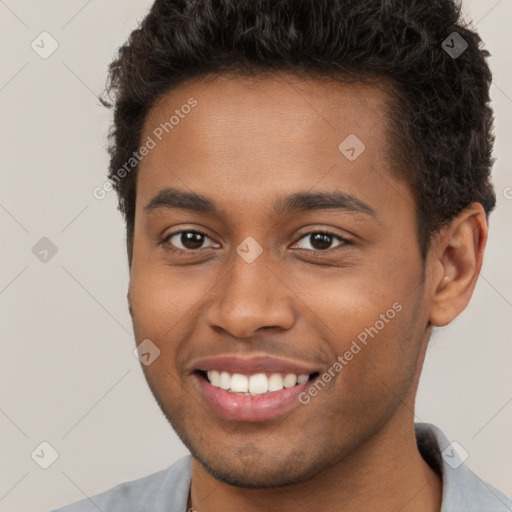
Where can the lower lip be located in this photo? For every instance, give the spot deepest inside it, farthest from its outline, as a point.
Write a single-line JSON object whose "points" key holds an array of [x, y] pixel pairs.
{"points": [[250, 408]]}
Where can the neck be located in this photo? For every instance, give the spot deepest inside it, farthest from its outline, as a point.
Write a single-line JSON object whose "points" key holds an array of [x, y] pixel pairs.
{"points": [[387, 473]]}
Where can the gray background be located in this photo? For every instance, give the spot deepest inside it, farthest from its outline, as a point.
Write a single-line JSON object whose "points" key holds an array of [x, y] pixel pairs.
{"points": [[68, 375]]}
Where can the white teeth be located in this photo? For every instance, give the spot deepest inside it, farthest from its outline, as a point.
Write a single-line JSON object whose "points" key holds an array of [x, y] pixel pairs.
{"points": [[275, 383], [214, 378], [302, 378], [239, 383], [225, 380], [290, 380], [256, 384]]}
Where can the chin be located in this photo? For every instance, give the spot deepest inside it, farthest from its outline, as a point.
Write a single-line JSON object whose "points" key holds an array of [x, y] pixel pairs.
{"points": [[256, 465], [254, 475]]}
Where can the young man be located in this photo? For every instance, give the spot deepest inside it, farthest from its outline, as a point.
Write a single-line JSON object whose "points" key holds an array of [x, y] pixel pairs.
{"points": [[306, 191]]}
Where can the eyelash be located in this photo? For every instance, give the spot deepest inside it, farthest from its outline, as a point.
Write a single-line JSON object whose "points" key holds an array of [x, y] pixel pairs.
{"points": [[179, 251]]}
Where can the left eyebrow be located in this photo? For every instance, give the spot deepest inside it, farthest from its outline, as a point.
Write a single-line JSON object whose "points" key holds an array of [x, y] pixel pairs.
{"points": [[306, 201]]}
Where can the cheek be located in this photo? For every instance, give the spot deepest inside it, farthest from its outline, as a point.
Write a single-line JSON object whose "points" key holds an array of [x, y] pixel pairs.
{"points": [[350, 301], [163, 298], [380, 356], [374, 319]]}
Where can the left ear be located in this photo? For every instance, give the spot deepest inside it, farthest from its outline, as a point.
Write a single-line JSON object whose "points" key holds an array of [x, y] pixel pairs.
{"points": [[456, 256]]}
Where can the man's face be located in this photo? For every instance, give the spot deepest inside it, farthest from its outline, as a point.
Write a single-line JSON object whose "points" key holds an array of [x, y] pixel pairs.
{"points": [[297, 306]]}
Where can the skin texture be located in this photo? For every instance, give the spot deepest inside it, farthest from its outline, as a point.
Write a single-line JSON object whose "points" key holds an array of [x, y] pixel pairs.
{"points": [[246, 144]]}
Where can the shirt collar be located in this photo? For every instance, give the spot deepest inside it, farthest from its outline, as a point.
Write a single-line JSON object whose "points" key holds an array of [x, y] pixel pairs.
{"points": [[462, 489]]}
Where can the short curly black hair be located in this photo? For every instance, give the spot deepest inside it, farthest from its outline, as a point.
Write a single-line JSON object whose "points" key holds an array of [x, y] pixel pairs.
{"points": [[441, 122]]}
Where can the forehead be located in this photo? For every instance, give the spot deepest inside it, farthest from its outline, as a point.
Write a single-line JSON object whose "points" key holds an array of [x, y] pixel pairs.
{"points": [[222, 134]]}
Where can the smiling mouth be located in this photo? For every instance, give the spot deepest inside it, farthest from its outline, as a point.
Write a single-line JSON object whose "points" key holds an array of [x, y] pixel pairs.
{"points": [[256, 383]]}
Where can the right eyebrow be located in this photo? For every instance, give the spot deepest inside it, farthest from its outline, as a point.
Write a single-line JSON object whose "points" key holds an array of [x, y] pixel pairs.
{"points": [[169, 198]]}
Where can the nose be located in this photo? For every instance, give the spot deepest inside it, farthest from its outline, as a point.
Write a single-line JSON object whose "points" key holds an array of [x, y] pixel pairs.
{"points": [[248, 298]]}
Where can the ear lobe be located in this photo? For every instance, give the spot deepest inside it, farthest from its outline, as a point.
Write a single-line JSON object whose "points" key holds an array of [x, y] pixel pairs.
{"points": [[460, 254]]}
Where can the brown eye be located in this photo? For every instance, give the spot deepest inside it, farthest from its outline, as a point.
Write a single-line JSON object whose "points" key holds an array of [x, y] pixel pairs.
{"points": [[321, 241], [185, 240]]}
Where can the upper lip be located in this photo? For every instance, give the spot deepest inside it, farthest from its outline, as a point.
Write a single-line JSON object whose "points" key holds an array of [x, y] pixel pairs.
{"points": [[255, 364]]}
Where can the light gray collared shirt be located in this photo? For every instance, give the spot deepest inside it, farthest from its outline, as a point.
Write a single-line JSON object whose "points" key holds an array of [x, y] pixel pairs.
{"points": [[167, 490]]}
